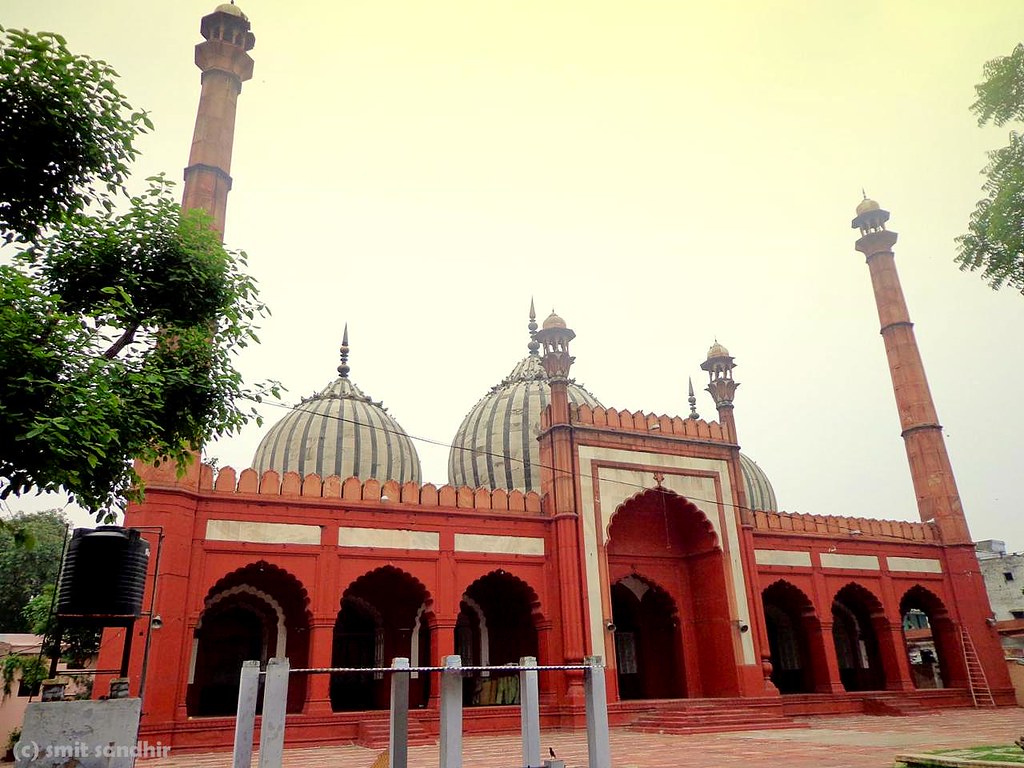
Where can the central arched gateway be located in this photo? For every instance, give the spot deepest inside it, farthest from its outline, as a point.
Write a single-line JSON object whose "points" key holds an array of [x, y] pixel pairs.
{"points": [[669, 600]]}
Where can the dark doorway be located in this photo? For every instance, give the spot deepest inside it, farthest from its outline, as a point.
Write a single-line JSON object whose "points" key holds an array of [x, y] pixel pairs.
{"points": [[856, 641], [647, 641]]}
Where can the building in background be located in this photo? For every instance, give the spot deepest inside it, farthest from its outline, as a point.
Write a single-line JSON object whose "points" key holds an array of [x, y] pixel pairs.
{"points": [[568, 529]]}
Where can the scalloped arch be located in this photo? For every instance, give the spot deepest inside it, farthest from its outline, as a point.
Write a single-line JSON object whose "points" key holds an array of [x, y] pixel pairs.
{"points": [[671, 498], [241, 576], [923, 599], [858, 594], [392, 570], [521, 583]]}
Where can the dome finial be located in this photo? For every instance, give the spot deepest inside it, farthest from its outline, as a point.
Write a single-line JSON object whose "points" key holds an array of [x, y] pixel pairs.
{"points": [[692, 399], [534, 345], [343, 369]]}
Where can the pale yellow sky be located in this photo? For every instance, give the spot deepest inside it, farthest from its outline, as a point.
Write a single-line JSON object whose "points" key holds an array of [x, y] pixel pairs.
{"points": [[662, 173]]}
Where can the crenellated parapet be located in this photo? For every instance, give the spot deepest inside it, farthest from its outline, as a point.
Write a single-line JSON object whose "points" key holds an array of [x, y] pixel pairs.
{"points": [[829, 525], [271, 483], [638, 421]]}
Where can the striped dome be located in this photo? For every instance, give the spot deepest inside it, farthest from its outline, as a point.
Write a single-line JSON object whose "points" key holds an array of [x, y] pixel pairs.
{"points": [[760, 494], [496, 446], [340, 431]]}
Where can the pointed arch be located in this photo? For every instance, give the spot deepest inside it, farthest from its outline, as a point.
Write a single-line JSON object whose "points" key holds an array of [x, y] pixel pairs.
{"points": [[648, 640], [932, 642], [794, 639], [681, 516], [380, 617], [255, 612], [856, 616], [262, 572], [499, 615]]}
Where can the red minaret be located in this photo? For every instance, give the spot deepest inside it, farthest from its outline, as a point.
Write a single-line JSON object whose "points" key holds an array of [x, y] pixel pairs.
{"points": [[722, 386], [225, 65], [938, 500], [554, 338]]}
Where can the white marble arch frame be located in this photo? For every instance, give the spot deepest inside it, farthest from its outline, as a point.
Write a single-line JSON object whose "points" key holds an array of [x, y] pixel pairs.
{"points": [[282, 628]]}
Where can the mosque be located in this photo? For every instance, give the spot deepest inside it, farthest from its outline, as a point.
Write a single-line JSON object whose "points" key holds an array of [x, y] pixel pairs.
{"points": [[567, 529]]}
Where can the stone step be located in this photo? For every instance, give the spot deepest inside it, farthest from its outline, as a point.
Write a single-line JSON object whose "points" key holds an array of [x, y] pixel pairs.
{"points": [[376, 734]]}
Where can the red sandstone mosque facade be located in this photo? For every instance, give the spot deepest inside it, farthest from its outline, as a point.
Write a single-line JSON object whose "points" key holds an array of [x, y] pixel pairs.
{"points": [[569, 529]]}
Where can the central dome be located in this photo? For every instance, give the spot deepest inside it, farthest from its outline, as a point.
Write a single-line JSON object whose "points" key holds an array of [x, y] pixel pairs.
{"points": [[496, 446], [340, 431]]}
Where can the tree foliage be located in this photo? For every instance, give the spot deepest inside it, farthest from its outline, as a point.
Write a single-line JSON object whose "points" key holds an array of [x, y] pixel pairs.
{"points": [[77, 645], [67, 133], [117, 330], [994, 243], [26, 569], [117, 337]]}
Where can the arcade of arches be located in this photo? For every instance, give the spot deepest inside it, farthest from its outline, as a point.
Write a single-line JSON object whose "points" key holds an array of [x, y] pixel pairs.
{"points": [[667, 602], [257, 613], [864, 645]]}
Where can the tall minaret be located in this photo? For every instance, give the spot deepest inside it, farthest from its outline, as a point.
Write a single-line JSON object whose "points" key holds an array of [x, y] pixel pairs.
{"points": [[225, 65], [938, 500]]}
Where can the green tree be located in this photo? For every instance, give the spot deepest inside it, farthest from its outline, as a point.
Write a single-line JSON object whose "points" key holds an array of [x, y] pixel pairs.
{"points": [[994, 242], [26, 569], [77, 644], [67, 133], [117, 331]]}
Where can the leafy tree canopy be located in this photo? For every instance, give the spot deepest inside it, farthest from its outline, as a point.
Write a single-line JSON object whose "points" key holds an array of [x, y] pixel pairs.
{"points": [[25, 570], [994, 243], [117, 330], [67, 133]]}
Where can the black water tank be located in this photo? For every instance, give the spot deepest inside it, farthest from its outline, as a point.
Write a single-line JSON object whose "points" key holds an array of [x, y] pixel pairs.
{"points": [[104, 577]]}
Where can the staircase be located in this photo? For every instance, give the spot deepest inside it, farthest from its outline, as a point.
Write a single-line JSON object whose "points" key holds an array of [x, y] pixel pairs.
{"points": [[376, 733], [981, 694], [894, 704], [713, 716]]}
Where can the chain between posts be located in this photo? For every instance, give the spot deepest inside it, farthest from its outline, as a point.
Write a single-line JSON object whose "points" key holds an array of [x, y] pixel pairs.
{"points": [[502, 668]]}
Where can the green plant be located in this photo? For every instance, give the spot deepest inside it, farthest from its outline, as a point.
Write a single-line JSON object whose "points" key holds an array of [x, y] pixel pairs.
{"points": [[33, 671]]}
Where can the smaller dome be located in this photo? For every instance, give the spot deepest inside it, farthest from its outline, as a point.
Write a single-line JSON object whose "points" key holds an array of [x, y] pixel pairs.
{"points": [[230, 8], [553, 321], [717, 350], [866, 206], [760, 494]]}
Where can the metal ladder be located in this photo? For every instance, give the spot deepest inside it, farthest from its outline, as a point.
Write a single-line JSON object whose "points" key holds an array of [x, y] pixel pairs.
{"points": [[976, 680]]}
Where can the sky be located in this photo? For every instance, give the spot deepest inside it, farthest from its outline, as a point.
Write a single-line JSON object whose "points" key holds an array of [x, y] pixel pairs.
{"points": [[661, 173]]}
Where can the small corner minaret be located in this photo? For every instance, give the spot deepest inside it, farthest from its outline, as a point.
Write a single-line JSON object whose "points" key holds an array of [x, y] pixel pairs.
{"points": [[721, 385], [938, 500], [554, 338], [226, 64]]}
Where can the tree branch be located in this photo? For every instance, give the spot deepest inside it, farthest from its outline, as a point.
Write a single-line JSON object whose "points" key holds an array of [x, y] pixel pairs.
{"points": [[126, 338]]}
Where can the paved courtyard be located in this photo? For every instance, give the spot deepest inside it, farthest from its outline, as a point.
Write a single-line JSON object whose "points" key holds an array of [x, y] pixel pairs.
{"points": [[843, 742]]}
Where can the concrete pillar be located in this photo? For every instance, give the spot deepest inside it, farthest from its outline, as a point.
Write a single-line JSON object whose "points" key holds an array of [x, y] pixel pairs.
{"points": [[529, 707], [451, 714], [598, 746], [398, 738], [245, 719], [275, 700]]}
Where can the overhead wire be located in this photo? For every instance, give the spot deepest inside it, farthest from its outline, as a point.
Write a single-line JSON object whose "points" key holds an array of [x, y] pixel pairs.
{"points": [[481, 452]]}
